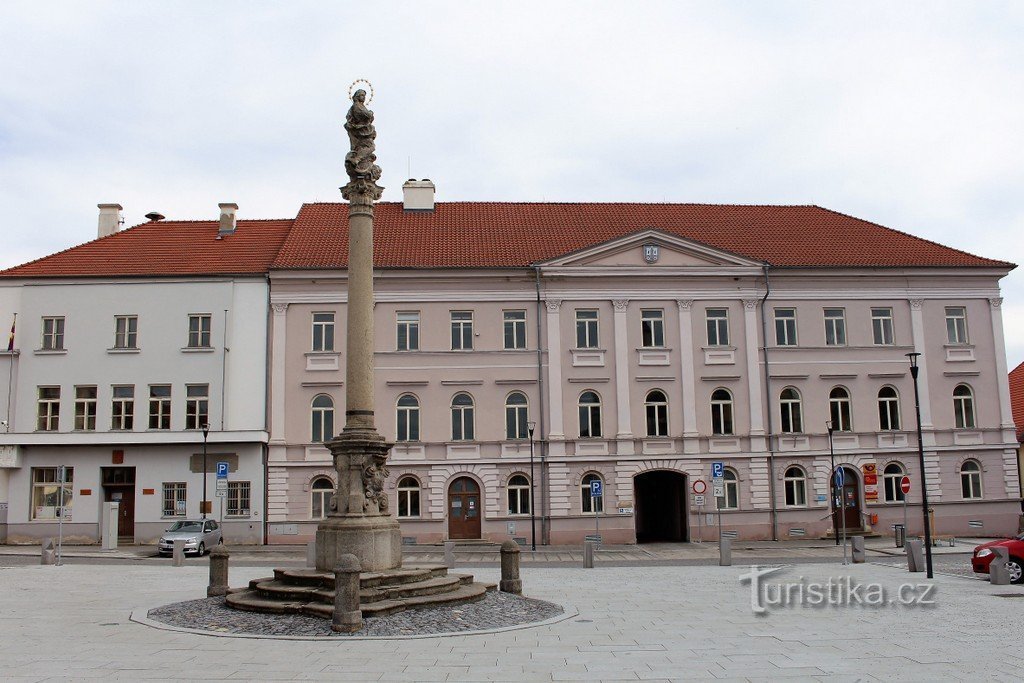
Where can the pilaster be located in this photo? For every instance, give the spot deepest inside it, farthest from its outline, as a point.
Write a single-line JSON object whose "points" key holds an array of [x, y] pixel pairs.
{"points": [[624, 429], [917, 328], [750, 325], [556, 430], [687, 376], [1002, 376], [277, 372]]}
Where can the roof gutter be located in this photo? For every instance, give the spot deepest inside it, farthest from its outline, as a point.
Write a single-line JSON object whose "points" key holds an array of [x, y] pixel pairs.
{"points": [[541, 423], [768, 407]]}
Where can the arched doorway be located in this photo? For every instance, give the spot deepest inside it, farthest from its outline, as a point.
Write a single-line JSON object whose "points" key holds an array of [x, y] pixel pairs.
{"points": [[464, 509], [660, 502], [847, 504]]}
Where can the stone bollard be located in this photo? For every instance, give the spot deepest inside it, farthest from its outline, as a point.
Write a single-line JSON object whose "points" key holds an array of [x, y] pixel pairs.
{"points": [[48, 554], [725, 552], [348, 617], [998, 573], [449, 554], [588, 554], [218, 571], [311, 554], [858, 550], [510, 581], [178, 553], [915, 555]]}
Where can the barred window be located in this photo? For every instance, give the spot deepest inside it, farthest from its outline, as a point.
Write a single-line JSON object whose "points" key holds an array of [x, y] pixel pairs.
{"points": [[238, 504], [174, 499]]}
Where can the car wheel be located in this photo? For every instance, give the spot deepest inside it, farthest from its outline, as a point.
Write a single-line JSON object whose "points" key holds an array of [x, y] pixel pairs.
{"points": [[202, 549], [1014, 567]]}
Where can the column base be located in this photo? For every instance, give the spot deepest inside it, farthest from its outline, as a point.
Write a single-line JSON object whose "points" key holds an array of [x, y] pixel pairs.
{"points": [[376, 540]]}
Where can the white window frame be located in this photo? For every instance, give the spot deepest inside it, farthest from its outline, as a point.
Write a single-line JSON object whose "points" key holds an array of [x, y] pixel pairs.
{"points": [[731, 484], [122, 408], [970, 480], [587, 502], [652, 328], [517, 417], [126, 332], [321, 419], [46, 483], [518, 495], [892, 473], [47, 409], [197, 406], [717, 323], [200, 326], [590, 415], [656, 413], [407, 330], [964, 416], [835, 326], [462, 330], [320, 495], [323, 331], [791, 410], [85, 408], [840, 410], [52, 338], [514, 329], [409, 498], [463, 412], [889, 410], [785, 326], [407, 418], [588, 328], [795, 487], [723, 417], [956, 325], [882, 329], [175, 493], [159, 407]]}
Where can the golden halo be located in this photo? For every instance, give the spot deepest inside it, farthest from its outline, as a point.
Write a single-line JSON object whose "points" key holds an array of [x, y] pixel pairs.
{"points": [[352, 88]]}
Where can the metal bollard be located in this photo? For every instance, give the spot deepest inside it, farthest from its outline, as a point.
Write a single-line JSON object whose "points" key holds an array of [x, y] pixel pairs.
{"points": [[915, 556], [347, 617], [178, 553], [725, 552], [998, 573], [48, 554], [588, 554], [311, 554], [858, 550], [449, 554], [510, 581], [218, 571]]}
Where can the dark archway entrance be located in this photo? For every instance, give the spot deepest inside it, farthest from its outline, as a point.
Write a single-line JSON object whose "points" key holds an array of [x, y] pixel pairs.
{"points": [[660, 502]]}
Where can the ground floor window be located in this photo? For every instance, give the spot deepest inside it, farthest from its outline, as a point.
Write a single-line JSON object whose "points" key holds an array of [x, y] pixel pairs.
{"points": [[320, 492], [518, 495], [408, 497], [589, 502], [174, 499], [731, 484], [238, 499], [51, 499]]}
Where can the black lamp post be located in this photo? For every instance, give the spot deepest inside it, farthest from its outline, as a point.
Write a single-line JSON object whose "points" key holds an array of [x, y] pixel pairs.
{"points": [[832, 487], [920, 458], [206, 432], [533, 515]]}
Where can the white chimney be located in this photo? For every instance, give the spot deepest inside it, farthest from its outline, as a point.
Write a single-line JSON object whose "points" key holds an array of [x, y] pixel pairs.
{"points": [[227, 219], [110, 219], [418, 195]]}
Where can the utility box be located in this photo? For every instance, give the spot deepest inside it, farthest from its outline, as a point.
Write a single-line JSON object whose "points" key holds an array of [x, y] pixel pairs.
{"points": [[108, 525]]}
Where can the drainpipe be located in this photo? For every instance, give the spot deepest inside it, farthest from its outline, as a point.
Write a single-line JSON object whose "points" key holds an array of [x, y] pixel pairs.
{"points": [[541, 423], [768, 404]]}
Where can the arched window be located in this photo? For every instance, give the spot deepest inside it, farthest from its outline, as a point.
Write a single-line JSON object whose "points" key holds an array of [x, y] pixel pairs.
{"points": [[517, 416], [888, 409], [796, 487], [891, 476], [518, 495], [408, 497], [408, 418], [970, 479], [656, 407], [323, 418], [839, 409], [462, 417], [721, 412], [732, 490], [590, 415], [320, 492], [963, 407], [590, 503], [791, 411]]}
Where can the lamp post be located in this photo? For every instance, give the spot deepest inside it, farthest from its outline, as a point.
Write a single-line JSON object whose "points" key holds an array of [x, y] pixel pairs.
{"points": [[533, 515], [832, 480], [920, 459], [206, 432]]}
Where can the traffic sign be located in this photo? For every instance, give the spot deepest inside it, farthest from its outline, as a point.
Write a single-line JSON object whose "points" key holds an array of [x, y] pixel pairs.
{"points": [[699, 486], [595, 488], [222, 484], [905, 485], [222, 470], [719, 490], [839, 476], [698, 499], [717, 469], [222, 493]]}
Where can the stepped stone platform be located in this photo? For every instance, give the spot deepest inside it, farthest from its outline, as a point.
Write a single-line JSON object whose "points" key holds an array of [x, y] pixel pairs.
{"points": [[311, 592]]}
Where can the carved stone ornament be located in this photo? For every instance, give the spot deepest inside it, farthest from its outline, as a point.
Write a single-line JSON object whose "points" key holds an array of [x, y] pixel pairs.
{"points": [[279, 308], [360, 164], [684, 304], [374, 476], [996, 301], [916, 304], [553, 305], [750, 304], [620, 304]]}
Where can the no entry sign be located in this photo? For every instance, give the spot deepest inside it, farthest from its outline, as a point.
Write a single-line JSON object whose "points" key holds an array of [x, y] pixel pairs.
{"points": [[905, 484], [700, 486]]}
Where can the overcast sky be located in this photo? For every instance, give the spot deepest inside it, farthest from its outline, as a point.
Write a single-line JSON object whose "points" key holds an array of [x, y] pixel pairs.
{"points": [[909, 115]]}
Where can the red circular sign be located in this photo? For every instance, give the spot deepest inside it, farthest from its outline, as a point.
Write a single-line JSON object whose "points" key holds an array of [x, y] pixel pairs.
{"points": [[905, 484], [700, 486]]}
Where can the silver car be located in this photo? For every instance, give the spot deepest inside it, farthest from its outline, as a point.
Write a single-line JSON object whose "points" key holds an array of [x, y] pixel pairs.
{"points": [[199, 536]]}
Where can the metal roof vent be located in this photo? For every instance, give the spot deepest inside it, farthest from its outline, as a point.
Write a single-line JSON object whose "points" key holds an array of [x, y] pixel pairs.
{"points": [[155, 216]]}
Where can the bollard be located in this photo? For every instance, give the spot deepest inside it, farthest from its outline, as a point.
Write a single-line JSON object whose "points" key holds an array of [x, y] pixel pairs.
{"points": [[449, 554], [348, 617], [858, 550], [998, 572], [510, 581], [588, 554], [48, 554], [218, 571], [311, 554], [915, 555], [178, 554], [725, 552]]}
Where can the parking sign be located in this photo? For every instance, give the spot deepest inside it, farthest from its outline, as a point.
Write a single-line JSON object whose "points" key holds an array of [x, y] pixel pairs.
{"points": [[222, 470], [717, 469], [595, 488]]}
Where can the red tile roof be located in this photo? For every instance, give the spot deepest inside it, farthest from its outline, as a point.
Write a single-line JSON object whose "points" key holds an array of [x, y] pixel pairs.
{"points": [[1017, 399]]}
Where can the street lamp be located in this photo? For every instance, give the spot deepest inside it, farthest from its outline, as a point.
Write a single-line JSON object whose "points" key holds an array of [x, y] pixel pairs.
{"points": [[832, 480], [533, 515], [920, 458], [206, 432]]}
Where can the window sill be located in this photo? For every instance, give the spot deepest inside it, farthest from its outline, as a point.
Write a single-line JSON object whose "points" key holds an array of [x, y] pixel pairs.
{"points": [[115, 350], [50, 352], [197, 349]]}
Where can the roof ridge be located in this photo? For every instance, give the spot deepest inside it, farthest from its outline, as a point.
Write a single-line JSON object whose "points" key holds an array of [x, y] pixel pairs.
{"points": [[588, 203]]}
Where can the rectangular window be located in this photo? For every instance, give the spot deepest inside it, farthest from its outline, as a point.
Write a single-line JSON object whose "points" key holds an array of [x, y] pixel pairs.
{"points": [[462, 330], [48, 415], [122, 413], [718, 326], [85, 408], [323, 331], [835, 327], [53, 334], [126, 332], [160, 406], [197, 406], [653, 327], [174, 499], [51, 499], [408, 331], [586, 329], [199, 331], [956, 324], [515, 330], [881, 326], [785, 326], [238, 499]]}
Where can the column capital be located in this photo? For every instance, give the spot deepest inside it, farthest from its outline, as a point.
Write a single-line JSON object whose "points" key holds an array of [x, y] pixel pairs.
{"points": [[553, 305], [995, 301], [620, 304], [279, 308], [916, 304], [750, 304], [684, 304]]}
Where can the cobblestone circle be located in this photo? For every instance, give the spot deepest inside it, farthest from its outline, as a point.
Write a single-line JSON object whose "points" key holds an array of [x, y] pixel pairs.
{"points": [[496, 610]]}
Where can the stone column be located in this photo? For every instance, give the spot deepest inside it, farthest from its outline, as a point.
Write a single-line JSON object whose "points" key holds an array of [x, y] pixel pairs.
{"points": [[687, 388], [1002, 376], [625, 430], [917, 326], [277, 372], [557, 428], [750, 327]]}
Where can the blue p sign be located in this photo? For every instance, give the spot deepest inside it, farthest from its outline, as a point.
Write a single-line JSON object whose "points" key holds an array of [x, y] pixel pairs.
{"points": [[595, 488], [222, 470], [717, 470], [839, 476]]}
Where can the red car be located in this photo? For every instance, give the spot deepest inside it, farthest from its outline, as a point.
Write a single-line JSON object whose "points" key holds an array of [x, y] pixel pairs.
{"points": [[983, 557]]}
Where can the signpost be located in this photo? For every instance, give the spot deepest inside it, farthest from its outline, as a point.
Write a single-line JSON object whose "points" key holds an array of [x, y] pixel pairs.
{"points": [[596, 492], [718, 481], [60, 512], [699, 487], [905, 488], [840, 477]]}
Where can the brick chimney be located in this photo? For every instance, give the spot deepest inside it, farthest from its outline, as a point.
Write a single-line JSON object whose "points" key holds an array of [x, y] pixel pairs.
{"points": [[418, 195], [227, 219], [110, 219]]}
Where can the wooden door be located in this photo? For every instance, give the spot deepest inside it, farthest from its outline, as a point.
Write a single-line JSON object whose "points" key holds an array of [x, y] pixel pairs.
{"points": [[849, 507], [126, 515], [464, 504]]}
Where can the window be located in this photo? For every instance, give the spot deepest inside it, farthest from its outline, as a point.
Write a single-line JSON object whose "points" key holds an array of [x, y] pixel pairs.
{"points": [[517, 416], [963, 407], [320, 492], [891, 476], [48, 415], [839, 410], [408, 497], [238, 499], [796, 487], [586, 329], [159, 406], [408, 332], [174, 499], [590, 503], [888, 409], [462, 417], [122, 409], [721, 412], [956, 324], [518, 495], [785, 326], [732, 490], [653, 327], [197, 406], [515, 329], [791, 409], [50, 499], [835, 327], [199, 331], [85, 408], [323, 418], [656, 409], [590, 415], [408, 418], [462, 330], [323, 331], [718, 326], [126, 332], [881, 326], [53, 334], [970, 479]]}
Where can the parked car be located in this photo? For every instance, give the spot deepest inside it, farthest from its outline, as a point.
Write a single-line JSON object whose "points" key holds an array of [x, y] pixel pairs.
{"points": [[983, 557], [199, 536]]}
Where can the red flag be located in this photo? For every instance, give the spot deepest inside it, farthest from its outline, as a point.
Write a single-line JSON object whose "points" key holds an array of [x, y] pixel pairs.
{"points": [[10, 342]]}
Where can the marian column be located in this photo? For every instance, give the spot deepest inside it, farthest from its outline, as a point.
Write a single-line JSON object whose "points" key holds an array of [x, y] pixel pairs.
{"points": [[358, 521]]}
